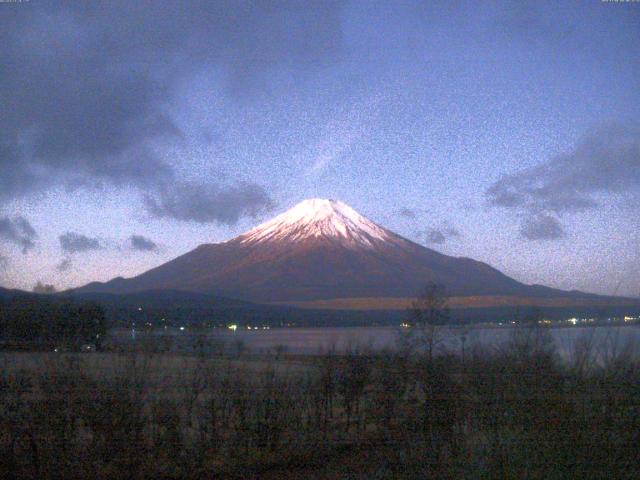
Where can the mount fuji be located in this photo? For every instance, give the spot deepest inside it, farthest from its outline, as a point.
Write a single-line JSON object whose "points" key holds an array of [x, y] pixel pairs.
{"points": [[323, 254]]}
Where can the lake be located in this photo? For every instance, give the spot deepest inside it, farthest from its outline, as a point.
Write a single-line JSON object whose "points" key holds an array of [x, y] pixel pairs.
{"points": [[605, 339]]}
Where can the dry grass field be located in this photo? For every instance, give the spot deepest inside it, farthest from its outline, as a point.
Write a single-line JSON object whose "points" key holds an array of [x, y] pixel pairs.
{"points": [[519, 413], [484, 301]]}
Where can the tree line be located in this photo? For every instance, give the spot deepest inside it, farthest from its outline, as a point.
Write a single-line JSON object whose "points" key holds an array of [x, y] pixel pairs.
{"points": [[36, 322]]}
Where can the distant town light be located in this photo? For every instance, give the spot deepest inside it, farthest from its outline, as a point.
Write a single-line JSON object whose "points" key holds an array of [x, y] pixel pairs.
{"points": [[181, 328], [233, 327]]}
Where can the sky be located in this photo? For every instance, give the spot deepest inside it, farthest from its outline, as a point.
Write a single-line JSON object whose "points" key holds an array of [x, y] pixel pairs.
{"points": [[508, 132]]}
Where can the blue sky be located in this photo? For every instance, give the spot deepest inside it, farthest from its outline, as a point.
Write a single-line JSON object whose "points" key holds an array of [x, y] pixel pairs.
{"points": [[505, 131]]}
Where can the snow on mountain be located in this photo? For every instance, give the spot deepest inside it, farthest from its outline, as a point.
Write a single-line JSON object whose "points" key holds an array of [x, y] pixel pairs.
{"points": [[320, 218]]}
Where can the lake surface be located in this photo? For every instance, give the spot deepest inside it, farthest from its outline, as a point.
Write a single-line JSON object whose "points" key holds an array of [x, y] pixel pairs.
{"points": [[606, 340]]}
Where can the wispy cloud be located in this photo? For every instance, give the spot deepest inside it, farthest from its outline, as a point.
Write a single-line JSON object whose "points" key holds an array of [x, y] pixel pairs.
{"points": [[341, 134], [65, 265], [337, 142], [209, 203], [409, 213]]}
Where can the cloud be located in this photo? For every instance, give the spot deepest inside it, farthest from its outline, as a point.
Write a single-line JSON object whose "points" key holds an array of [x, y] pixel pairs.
{"points": [[143, 244], [209, 203], [72, 242], [605, 162], [19, 231], [87, 87], [64, 265], [408, 213], [439, 236], [541, 227], [4, 262], [435, 236]]}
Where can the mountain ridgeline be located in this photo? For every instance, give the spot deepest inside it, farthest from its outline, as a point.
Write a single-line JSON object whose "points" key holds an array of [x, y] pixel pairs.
{"points": [[323, 254]]}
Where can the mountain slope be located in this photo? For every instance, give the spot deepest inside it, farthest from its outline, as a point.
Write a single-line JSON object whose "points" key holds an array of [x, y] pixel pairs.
{"points": [[318, 250], [6, 293]]}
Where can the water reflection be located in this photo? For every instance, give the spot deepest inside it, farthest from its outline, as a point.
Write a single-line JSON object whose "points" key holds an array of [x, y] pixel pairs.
{"points": [[309, 341]]}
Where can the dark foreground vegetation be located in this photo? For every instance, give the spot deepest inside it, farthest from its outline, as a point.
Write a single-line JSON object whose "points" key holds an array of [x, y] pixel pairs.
{"points": [[48, 323], [516, 413]]}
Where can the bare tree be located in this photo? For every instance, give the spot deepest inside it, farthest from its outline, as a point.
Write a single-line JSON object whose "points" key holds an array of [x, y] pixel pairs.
{"points": [[531, 337], [428, 315], [463, 331]]}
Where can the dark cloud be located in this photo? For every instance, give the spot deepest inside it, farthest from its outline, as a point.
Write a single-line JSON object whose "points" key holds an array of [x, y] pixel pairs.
{"points": [[86, 85], [72, 242], [143, 244], [408, 213], [206, 203], [64, 265], [19, 231], [44, 288], [438, 236], [435, 236], [606, 161], [541, 227]]}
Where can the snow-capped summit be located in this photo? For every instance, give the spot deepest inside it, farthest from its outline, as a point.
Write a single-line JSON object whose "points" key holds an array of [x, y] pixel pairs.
{"points": [[320, 218]]}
